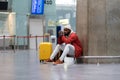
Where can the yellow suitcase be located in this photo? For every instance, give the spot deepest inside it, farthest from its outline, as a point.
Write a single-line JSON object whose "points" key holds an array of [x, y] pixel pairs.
{"points": [[45, 50]]}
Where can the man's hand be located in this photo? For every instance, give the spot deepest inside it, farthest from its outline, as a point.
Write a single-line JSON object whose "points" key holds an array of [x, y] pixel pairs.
{"points": [[61, 33]]}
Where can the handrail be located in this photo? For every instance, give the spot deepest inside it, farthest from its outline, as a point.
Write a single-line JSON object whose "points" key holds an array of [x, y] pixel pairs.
{"points": [[96, 57]]}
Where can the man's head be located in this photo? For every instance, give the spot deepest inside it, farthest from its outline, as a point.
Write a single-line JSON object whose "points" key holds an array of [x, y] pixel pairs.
{"points": [[67, 30]]}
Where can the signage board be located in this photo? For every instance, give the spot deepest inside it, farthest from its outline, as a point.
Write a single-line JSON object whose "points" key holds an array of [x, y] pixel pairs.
{"points": [[37, 7]]}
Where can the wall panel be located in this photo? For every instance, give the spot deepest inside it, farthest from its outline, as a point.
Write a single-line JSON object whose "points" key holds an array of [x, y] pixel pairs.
{"points": [[98, 27]]}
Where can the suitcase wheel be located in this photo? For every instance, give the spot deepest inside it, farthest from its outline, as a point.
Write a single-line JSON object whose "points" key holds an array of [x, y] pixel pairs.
{"points": [[42, 61]]}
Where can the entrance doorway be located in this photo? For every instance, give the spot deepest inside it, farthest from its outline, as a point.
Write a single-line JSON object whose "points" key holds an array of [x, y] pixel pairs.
{"points": [[36, 28]]}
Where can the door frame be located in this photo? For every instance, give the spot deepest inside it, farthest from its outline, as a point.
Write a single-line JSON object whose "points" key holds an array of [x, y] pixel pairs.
{"points": [[28, 27]]}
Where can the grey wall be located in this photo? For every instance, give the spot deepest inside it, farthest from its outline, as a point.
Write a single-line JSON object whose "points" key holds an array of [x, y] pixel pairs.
{"points": [[113, 26], [82, 23], [98, 27]]}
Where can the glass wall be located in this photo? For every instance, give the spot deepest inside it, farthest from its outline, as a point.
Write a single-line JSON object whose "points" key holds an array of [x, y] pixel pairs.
{"points": [[66, 9], [59, 10]]}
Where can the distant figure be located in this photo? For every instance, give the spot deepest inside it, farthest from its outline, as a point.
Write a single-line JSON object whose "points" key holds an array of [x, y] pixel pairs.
{"points": [[69, 43]]}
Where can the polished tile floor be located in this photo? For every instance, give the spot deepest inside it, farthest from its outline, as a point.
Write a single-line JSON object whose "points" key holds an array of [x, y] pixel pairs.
{"points": [[25, 65]]}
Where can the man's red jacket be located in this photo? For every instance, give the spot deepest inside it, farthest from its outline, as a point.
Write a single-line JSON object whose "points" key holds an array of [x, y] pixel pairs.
{"points": [[72, 39]]}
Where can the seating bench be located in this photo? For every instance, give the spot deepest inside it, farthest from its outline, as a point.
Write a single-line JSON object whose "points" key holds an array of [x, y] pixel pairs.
{"points": [[96, 57], [99, 57]]}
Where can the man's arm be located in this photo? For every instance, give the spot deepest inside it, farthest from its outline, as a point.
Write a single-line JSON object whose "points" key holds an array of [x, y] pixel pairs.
{"points": [[69, 39], [60, 34]]}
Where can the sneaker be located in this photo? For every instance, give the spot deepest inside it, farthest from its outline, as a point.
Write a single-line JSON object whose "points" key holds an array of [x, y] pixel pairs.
{"points": [[49, 60], [58, 62]]}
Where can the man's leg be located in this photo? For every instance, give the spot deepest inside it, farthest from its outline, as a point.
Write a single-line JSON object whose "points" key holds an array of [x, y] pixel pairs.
{"points": [[56, 50], [69, 49]]}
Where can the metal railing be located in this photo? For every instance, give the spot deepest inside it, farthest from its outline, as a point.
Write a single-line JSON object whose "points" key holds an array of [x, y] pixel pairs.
{"points": [[14, 41]]}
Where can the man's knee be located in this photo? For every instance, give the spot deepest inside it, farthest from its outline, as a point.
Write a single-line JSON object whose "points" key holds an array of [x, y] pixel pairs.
{"points": [[58, 45], [68, 45]]}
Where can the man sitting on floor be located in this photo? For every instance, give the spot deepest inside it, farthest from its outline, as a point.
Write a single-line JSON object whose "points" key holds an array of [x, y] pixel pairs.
{"points": [[69, 43]]}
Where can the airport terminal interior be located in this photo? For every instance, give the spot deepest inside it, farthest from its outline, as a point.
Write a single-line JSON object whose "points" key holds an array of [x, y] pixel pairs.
{"points": [[26, 24]]}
